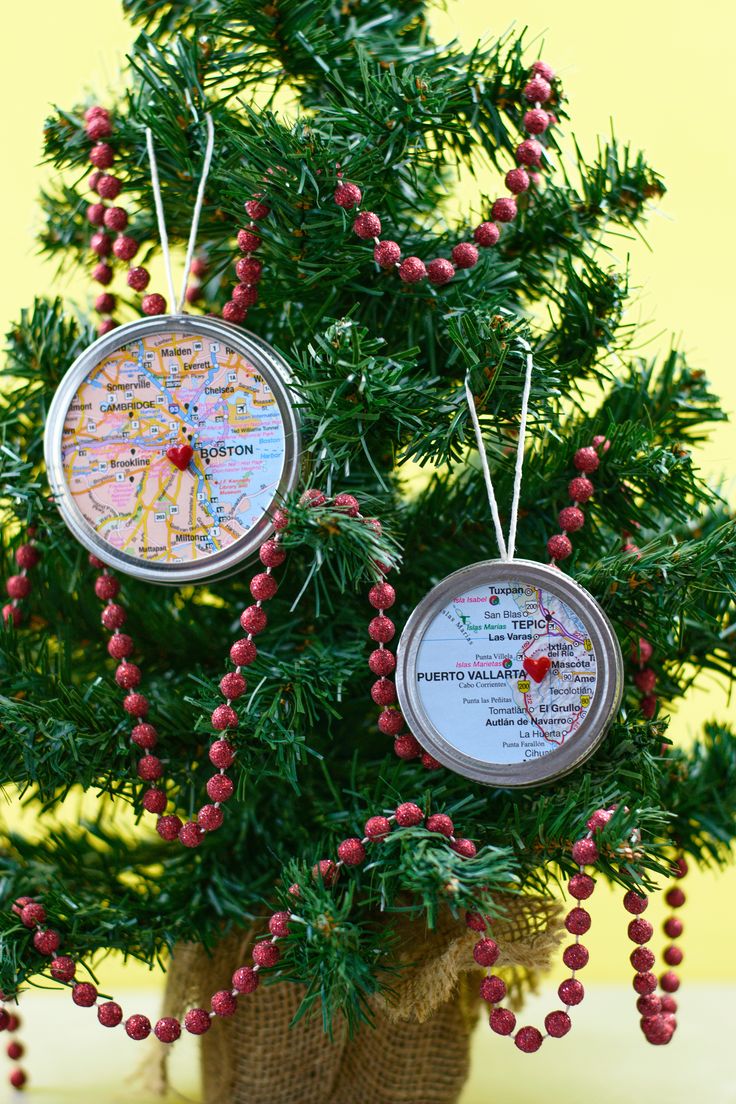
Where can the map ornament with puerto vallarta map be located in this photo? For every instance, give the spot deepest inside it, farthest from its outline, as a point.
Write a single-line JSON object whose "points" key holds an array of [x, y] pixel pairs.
{"points": [[508, 672], [168, 445]]}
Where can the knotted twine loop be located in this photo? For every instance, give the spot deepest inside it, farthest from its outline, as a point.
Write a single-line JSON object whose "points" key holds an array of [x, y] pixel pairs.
{"points": [[505, 547], [161, 220]]}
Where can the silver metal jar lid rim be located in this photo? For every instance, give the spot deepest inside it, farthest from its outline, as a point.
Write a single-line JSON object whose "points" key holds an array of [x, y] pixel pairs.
{"points": [[276, 374], [609, 686]]}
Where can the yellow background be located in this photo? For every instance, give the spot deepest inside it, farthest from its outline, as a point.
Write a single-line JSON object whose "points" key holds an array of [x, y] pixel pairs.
{"points": [[662, 71]]}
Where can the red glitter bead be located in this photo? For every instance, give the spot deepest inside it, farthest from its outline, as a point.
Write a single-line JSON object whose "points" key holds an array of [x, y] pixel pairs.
{"points": [[138, 1027], [102, 273], [27, 556], [383, 692], [106, 586], [559, 546], [98, 125], [543, 70], [254, 620], [116, 218], [84, 994], [464, 255], [124, 247], [326, 872], [675, 897], [167, 1030], [347, 504], [222, 717], [377, 827], [190, 834], [648, 706], [580, 489], [528, 1039], [493, 989], [210, 818], [387, 254], [571, 991], [223, 1003], [382, 596], [248, 241], [243, 652], [529, 152], [673, 956], [584, 852], [581, 886], [464, 847], [93, 180], [19, 904], [367, 225], [17, 1078], [577, 921], [14, 1051], [107, 325], [128, 675], [154, 801], [12, 613], [440, 822], [649, 1005], [63, 968], [412, 270], [232, 685], [669, 1004], [105, 303], [517, 181], [575, 956], [279, 922], [408, 815], [586, 460], [657, 1030], [407, 746], [646, 680], [641, 651], [222, 754], [120, 645], [679, 867], [150, 768], [13, 1022], [220, 787], [634, 902], [430, 763], [271, 554], [351, 852], [199, 267], [245, 979], [255, 209], [390, 722], [197, 1021], [4, 1020], [109, 187], [571, 519], [644, 983], [485, 952], [46, 942], [669, 982], [475, 921], [138, 278], [249, 270], [168, 827], [536, 120], [96, 216], [557, 1024], [382, 629], [153, 304], [348, 196], [32, 914], [504, 210], [502, 1021], [538, 90], [382, 661], [266, 954], [440, 271], [642, 959], [486, 235], [144, 735], [244, 295], [640, 930]]}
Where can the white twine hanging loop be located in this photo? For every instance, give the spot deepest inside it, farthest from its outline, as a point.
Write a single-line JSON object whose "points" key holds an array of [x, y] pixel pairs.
{"points": [[178, 304], [506, 546]]}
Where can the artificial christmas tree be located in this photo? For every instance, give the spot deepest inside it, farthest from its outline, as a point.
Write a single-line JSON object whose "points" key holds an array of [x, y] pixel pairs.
{"points": [[337, 138]]}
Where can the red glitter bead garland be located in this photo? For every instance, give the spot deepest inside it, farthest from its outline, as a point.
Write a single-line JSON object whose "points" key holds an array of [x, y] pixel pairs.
{"points": [[18, 586], [572, 518], [412, 270], [10, 1022]]}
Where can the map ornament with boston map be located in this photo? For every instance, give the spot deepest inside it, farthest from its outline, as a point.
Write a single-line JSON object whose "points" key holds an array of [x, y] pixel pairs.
{"points": [[168, 445], [509, 672]]}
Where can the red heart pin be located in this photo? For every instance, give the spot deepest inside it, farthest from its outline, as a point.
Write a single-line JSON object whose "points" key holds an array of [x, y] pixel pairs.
{"points": [[180, 456], [537, 668]]}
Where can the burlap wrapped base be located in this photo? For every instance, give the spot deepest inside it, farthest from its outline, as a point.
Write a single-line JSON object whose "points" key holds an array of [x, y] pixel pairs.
{"points": [[416, 1051]]}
